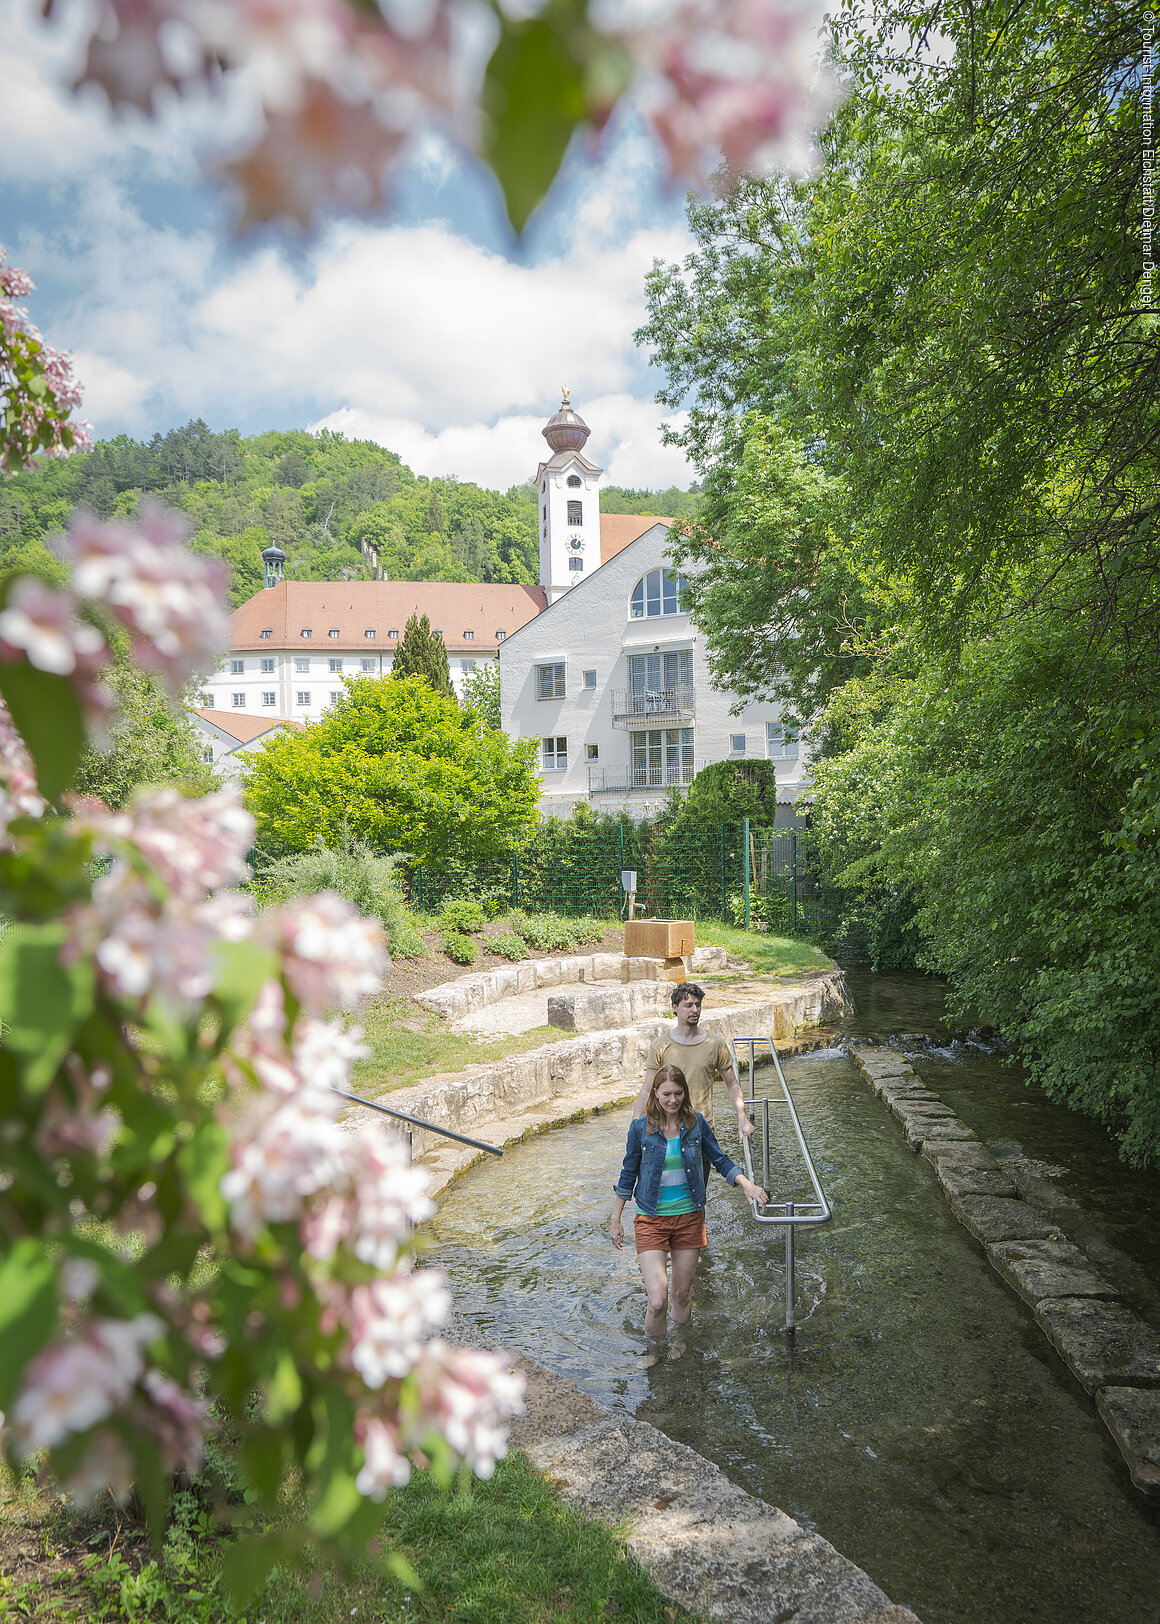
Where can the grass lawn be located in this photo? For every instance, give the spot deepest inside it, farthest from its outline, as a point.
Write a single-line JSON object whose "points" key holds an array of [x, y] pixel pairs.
{"points": [[769, 955], [503, 1552]]}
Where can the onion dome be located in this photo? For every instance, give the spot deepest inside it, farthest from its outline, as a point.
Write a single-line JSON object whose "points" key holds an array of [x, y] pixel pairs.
{"points": [[566, 431]]}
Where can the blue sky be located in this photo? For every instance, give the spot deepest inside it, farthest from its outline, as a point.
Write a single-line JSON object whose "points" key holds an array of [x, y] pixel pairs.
{"points": [[428, 329]]}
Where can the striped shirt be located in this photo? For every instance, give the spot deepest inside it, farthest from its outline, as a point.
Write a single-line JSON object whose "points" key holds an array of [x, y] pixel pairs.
{"points": [[674, 1195]]}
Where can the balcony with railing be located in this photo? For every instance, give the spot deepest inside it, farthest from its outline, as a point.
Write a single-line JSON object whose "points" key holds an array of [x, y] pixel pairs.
{"points": [[639, 780], [653, 707]]}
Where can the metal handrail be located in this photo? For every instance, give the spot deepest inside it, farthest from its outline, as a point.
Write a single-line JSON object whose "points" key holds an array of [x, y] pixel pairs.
{"points": [[418, 1122], [788, 1213]]}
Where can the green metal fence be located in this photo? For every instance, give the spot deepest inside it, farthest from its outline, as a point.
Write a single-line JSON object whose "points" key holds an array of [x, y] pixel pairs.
{"points": [[741, 873]]}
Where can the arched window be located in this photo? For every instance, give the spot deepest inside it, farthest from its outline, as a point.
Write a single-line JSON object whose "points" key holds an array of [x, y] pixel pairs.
{"points": [[657, 593], [574, 482]]}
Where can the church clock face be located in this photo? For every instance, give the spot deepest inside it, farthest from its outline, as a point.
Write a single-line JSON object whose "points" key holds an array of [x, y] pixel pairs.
{"points": [[576, 543]]}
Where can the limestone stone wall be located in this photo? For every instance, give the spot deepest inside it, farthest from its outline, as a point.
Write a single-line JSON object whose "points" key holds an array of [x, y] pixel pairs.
{"points": [[466, 993]]}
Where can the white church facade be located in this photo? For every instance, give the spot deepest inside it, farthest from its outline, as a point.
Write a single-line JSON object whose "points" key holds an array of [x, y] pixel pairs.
{"points": [[611, 679], [598, 663]]}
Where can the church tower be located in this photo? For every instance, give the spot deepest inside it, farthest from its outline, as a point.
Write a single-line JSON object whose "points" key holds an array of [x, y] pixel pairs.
{"points": [[569, 505]]}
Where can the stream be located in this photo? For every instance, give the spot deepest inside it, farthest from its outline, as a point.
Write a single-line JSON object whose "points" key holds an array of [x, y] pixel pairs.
{"points": [[922, 1423]]}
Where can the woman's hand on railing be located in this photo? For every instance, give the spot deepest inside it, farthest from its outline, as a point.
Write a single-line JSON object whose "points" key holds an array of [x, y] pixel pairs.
{"points": [[753, 1192]]}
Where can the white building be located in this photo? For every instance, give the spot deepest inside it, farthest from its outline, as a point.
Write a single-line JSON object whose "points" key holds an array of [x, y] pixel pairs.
{"points": [[611, 679], [227, 736]]}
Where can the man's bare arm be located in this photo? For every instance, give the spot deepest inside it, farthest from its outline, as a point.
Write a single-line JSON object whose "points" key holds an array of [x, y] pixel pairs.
{"points": [[641, 1099], [733, 1089]]}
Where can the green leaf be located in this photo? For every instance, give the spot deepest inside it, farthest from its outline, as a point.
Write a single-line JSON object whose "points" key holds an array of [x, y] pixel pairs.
{"points": [[247, 1563], [48, 716], [27, 1311], [202, 1161], [284, 1391], [42, 1001], [534, 95], [240, 971], [340, 1500]]}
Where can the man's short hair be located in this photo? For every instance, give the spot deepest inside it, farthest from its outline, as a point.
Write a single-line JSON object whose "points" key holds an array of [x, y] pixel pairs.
{"points": [[688, 989]]}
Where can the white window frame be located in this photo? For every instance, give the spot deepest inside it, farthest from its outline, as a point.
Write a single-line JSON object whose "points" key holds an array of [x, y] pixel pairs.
{"points": [[370, 664], [303, 697], [237, 668], [592, 752], [656, 595], [554, 753], [269, 696], [336, 663], [589, 679], [781, 743], [738, 744], [301, 666], [267, 666], [239, 701]]}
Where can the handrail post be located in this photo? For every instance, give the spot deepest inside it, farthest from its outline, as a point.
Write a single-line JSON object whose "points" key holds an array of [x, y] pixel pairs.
{"points": [[745, 865], [790, 1289]]}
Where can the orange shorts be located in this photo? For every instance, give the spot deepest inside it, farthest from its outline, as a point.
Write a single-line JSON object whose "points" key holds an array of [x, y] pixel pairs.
{"points": [[683, 1233]]}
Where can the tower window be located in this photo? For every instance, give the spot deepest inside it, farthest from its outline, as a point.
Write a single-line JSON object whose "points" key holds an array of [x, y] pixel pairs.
{"points": [[574, 482], [575, 563], [575, 512]]}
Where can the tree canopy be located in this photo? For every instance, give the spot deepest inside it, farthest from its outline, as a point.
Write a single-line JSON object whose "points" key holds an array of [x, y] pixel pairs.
{"points": [[399, 766], [922, 394]]}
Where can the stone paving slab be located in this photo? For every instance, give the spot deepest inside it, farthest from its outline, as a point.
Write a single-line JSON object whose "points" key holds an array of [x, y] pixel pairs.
{"points": [[921, 1130], [721, 1553], [998, 1218], [960, 1178], [960, 1154], [910, 1108], [1103, 1344], [900, 1088], [1132, 1417], [1039, 1269]]}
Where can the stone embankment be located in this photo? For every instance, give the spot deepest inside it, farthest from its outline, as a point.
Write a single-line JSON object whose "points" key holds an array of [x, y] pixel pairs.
{"points": [[1110, 1351], [504, 1101], [708, 1545], [455, 999]]}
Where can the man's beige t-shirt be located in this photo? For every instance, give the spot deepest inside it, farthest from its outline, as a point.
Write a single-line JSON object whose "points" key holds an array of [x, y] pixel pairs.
{"points": [[703, 1064]]}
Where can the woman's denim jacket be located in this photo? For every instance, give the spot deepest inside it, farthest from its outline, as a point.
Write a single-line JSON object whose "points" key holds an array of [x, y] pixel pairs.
{"points": [[644, 1162]]}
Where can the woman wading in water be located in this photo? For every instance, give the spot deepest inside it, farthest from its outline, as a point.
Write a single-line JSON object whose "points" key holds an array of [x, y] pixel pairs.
{"points": [[666, 1164]]}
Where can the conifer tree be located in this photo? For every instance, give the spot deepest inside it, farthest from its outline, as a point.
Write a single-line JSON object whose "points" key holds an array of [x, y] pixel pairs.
{"points": [[421, 653]]}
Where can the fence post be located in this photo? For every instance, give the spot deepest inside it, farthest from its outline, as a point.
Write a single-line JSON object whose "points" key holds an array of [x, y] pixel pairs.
{"points": [[515, 879], [723, 896], [620, 857], [419, 877], [793, 870], [745, 864]]}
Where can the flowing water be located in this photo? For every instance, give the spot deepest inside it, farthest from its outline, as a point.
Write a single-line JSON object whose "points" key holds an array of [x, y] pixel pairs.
{"points": [[922, 1422]]}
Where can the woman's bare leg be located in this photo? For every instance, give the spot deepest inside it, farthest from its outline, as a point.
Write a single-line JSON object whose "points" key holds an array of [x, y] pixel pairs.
{"points": [[656, 1284], [684, 1272]]}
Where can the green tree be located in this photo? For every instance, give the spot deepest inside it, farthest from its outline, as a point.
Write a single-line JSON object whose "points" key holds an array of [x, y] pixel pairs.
{"points": [[421, 653], [150, 744], [400, 767], [726, 791], [481, 692]]}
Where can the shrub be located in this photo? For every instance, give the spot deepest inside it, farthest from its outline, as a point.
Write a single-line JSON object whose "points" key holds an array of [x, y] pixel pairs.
{"points": [[463, 914], [358, 874], [459, 949], [508, 946], [549, 933]]}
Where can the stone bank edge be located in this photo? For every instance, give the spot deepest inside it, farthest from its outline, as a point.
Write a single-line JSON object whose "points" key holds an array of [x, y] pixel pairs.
{"points": [[1112, 1353]]}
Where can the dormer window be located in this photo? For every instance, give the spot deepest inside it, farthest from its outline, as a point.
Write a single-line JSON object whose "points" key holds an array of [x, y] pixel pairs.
{"points": [[499, 636], [469, 637], [574, 482], [392, 633], [307, 631], [267, 631], [370, 632], [333, 631]]}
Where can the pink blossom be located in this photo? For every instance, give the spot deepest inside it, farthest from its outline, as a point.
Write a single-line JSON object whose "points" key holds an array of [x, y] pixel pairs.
{"points": [[331, 955], [39, 624], [175, 1420], [325, 1051], [280, 1157], [390, 1320], [194, 844], [390, 1197], [105, 1469], [19, 796], [71, 1386], [383, 1466], [67, 1133], [169, 599], [469, 1397]]}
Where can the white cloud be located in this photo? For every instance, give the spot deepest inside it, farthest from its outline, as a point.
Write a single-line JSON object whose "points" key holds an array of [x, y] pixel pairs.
{"points": [[626, 441]]}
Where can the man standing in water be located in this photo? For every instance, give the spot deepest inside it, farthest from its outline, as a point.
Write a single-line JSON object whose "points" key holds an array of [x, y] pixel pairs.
{"points": [[704, 1059]]}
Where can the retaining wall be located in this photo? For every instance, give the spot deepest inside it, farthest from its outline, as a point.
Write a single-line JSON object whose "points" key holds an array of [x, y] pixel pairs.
{"points": [[457, 998]]}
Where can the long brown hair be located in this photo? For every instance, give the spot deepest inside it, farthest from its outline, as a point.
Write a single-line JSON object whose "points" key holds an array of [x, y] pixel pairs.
{"points": [[653, 1109]]}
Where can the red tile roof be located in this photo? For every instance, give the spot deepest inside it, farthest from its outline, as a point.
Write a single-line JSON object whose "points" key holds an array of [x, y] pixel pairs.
{"points": [[353, 607], [244, 728], [620, 530]]}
